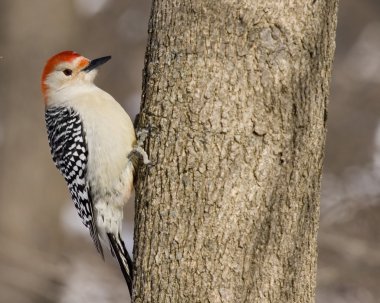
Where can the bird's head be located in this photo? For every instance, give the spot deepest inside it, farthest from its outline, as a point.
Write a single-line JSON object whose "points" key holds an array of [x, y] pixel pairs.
{"points": [[68, 68]]}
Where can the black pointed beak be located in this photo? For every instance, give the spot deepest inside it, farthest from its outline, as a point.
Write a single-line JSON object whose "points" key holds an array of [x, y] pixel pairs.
{"points": [[96, 63]]}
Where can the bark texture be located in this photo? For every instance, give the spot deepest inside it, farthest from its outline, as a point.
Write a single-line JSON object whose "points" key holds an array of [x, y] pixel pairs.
{"points": [[235, 95]]}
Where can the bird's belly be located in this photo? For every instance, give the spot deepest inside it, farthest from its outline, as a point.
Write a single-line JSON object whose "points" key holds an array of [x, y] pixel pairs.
{"points": [[109, 204], [110, 176], [107, 160]]}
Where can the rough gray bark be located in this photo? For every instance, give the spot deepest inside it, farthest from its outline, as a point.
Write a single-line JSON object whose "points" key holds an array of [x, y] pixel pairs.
{"points": [[235, 95]]}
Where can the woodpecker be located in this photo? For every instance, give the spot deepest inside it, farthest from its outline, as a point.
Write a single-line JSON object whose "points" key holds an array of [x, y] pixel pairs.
{"points": [[93, 145]]}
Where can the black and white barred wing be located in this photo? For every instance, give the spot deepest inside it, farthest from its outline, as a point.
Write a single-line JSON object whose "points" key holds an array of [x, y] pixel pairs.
{"points": [[69, 151]]}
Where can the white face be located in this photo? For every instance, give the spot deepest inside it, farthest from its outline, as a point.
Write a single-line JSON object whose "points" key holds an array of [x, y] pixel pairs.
{"points": [[69, 73]]}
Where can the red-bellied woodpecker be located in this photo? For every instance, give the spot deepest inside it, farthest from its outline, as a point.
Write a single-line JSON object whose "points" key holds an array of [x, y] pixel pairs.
{"points": [[93, 144]]}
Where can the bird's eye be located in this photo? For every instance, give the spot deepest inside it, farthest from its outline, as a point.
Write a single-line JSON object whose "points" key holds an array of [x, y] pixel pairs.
{"points": [[67, 72]]}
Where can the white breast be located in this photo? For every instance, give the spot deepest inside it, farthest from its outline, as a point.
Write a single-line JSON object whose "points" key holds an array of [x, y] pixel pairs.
{"points": [[109, 133]]}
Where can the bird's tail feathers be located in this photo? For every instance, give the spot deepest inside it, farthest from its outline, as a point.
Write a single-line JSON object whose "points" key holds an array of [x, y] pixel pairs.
{"points": [[119, 251]]}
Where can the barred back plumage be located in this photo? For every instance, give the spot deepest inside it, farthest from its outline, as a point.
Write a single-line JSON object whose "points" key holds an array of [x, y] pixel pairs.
{"points": [[68, 147]]}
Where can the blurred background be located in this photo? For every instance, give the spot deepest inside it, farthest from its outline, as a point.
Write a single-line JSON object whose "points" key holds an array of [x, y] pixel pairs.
{"points": [[45, 253]]}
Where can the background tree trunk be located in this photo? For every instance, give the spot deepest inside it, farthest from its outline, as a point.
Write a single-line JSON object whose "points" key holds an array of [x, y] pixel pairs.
{"points": [[235, 94]]}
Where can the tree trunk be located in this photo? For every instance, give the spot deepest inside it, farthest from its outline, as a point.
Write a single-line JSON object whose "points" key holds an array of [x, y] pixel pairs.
{"points": [[235, 96]]}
